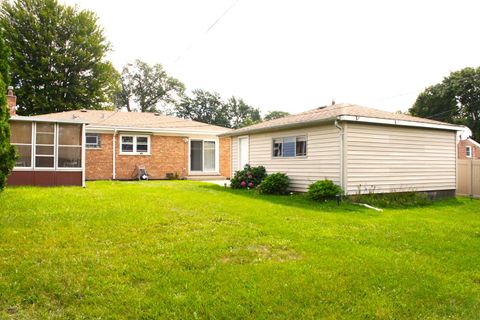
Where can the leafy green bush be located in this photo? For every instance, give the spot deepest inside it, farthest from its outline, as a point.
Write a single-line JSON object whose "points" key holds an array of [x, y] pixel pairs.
{"points": [[323, 190], [276, 183], [249, 177]]}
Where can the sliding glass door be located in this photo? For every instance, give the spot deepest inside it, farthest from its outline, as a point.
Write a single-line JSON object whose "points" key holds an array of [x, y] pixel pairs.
{"points": [[203, 156]]}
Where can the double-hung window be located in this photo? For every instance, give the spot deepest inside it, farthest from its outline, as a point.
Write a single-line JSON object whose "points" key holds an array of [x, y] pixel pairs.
{"points": [[468, 151], [287, 147], [133, 144]]}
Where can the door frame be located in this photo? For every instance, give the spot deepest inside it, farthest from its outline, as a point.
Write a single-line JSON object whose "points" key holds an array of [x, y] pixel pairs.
{"points": [[217, 156], [240, 167]]}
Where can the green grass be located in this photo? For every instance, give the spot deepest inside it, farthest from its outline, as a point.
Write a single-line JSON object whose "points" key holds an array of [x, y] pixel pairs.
{"points": [[178, 249]]}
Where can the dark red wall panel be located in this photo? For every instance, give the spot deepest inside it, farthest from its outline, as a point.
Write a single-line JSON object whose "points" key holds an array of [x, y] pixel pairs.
{"points": [[69, 178], [20, 178], [44, 178]]}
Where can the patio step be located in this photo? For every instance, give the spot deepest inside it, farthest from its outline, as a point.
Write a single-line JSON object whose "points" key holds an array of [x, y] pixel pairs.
{"points": [[205, 177]]}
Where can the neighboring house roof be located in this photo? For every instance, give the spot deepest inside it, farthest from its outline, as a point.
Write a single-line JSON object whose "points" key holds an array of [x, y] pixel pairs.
{"points": [[134, 121], [346, 112], [475, 143]]}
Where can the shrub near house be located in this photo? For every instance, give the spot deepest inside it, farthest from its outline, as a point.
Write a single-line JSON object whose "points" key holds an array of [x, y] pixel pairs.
{"points": [[275, 183], [323, 190], [249, 177]]}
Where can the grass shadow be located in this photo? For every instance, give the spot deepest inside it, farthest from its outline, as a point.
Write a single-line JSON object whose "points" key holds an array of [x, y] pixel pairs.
{"points": [[293, 200], [302, 202]]}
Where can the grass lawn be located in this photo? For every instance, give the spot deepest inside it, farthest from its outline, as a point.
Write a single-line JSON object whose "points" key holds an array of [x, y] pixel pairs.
{"points": [[180, 249]]}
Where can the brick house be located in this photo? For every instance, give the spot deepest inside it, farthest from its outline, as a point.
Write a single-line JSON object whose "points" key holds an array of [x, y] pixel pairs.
{"points": [[119, 143], [468, 149]]}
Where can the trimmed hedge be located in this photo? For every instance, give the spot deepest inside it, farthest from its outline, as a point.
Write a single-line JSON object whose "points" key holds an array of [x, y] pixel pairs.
{"points": [[323, 190], [275, 183]]}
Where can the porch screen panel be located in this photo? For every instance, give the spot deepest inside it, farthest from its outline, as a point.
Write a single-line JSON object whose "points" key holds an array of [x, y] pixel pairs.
{"points": [[196, 155], [44, 145], [21, 138], [69, 146], [209, 155]]}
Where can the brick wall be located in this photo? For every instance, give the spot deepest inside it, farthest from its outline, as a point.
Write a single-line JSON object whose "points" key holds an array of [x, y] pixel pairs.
{"points": [[462, 150], [225, 157], [167, 155], [99, 162]]}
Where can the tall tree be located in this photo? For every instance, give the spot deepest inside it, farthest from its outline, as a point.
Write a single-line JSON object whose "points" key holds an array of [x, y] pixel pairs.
{"points": [[57, 57], [208, 107], [150, 87], [456, 99], [7, 151], [275, 115], [204, 106], [241, 114]]}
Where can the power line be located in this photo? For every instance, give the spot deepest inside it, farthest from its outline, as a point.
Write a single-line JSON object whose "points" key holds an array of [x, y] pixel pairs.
{"points": [[209, 28]]}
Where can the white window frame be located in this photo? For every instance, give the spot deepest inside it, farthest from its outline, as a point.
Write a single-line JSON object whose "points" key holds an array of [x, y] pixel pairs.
{"points": [[217, 156], [295, 148], [135, 152], [468, 151], [97, 145]]}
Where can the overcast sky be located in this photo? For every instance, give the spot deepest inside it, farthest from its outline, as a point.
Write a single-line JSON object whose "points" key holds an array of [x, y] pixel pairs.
{"points": [[295, 55]]}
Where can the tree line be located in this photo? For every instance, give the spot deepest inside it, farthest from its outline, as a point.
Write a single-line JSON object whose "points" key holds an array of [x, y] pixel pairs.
{"points": [[57, 58]]}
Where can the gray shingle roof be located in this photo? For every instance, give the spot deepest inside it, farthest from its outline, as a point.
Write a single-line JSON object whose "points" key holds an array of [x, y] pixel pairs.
{"points": [[328, 113], [145, 120]]}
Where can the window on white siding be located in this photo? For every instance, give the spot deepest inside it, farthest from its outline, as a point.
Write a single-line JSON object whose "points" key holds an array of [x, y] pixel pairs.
{"points": [[468, 151], [133, 144], [92, 140], [290, 147]]}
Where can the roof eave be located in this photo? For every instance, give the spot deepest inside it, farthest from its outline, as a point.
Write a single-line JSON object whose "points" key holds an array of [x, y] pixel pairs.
{"points": [[278, 127], [154, 130], [41, 119], [405, 123]]}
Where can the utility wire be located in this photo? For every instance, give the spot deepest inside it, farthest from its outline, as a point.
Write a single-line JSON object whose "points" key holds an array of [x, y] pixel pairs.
{"points": [[209, 28]]}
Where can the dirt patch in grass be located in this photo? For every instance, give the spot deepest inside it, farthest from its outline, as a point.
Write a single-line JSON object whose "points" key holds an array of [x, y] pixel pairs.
{"points": [[260, 253]]}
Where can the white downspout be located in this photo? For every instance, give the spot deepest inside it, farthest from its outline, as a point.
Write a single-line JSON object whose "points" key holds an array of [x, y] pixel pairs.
{"points": [[342, 169], [114, 154], [83, 156]]}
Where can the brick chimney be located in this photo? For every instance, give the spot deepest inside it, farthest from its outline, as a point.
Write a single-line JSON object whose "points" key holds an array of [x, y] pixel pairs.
{"points": [[11, 101]]}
